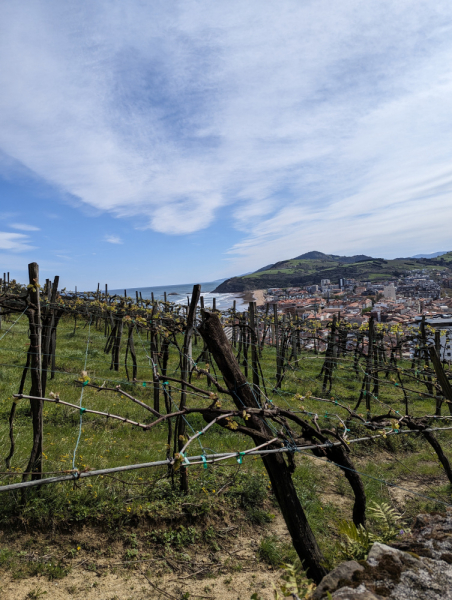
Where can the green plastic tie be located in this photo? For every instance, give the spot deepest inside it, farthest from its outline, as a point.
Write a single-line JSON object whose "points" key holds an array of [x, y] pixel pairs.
{"points": [[240, 457], [82, 410], [144, 384], [85, 383], [204, 461]]}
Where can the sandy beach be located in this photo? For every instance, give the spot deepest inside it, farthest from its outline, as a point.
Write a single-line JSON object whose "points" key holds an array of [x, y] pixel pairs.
{"points": [[257, 296]]}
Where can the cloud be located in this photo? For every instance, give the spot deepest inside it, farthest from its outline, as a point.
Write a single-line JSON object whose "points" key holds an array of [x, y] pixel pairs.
{"points": [[113, 239], [24, 227], [14, 242], [321, 126]]}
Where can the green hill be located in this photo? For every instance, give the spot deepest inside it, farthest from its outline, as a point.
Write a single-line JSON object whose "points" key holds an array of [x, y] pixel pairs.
{"points": [[310, 268]]}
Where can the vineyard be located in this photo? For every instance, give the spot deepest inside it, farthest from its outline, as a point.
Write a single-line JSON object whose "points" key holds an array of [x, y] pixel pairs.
{"points": [[119, 411]]}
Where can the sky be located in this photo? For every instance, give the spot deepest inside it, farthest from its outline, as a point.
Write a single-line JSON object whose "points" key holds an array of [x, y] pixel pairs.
{"points": [[152, 143]]}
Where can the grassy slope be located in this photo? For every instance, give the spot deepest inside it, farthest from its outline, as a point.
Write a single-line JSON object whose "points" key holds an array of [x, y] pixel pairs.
{"points": [[309, 272], [147, 496]]}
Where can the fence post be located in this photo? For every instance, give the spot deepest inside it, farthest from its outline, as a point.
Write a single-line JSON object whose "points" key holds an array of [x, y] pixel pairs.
{"points": [[277, 344], [254, 363], [186, 365], [442, 377], [34, 319]]}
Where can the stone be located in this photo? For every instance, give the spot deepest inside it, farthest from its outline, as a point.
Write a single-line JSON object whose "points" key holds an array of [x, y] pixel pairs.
{"points": [[402, 559], [344, 572], [359, 593]]}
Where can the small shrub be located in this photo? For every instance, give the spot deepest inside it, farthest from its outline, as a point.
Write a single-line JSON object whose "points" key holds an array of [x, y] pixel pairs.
{"points": [[358, 540], [259, 516], [274, 552], [269, 551]]}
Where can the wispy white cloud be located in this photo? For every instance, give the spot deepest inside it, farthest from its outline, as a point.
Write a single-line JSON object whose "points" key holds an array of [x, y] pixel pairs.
{"points": [[24, 227], [322, 125], [14, 242], [113, 239]]}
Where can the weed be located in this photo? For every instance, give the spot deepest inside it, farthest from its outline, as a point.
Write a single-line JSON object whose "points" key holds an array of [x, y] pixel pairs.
{"points": [[181, 536], [259, 516], [35, 594], [275, 553]]}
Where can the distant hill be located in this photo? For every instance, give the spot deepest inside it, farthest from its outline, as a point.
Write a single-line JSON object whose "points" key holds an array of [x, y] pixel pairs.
{"points": [[314, 255], [342, 259], [433, 255], [311, 267]]}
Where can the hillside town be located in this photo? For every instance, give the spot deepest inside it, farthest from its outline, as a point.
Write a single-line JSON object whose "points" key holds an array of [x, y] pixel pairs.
{"points": [[404, 301]]}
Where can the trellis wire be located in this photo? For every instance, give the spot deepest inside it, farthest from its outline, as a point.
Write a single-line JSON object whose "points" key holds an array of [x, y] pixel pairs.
{"points": [[213, 458], [9, 329]]}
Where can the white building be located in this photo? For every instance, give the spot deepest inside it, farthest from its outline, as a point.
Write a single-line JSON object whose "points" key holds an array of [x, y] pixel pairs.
{"points": [[389, 292]]}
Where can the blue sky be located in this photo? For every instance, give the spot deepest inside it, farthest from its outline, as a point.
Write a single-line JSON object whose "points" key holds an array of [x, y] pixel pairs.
{"points": [[152, 143]]}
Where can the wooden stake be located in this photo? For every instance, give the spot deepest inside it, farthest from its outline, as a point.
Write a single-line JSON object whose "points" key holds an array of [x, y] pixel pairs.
{"points": [[34, 320]]}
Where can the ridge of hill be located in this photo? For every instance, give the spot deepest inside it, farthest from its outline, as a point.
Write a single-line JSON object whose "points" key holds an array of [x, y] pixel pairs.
{"points": [[432, 255], [311, 267]]}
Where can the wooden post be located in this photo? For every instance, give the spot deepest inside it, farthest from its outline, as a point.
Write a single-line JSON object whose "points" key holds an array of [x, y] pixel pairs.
{"points": [[185, 370], [442, 377], [369, 370], [438, 342], [34, 319], [48, 334], [281, 479], [294, 343], [254, 359], [234, 331], [278, 358]]}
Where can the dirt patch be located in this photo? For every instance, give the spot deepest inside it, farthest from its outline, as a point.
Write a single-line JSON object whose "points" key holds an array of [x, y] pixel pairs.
{"points": [[127, 586], [407, 490], [91, 565]]}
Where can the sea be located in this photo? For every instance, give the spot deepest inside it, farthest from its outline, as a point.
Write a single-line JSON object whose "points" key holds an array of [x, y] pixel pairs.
{"points": [[181, 294]]}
